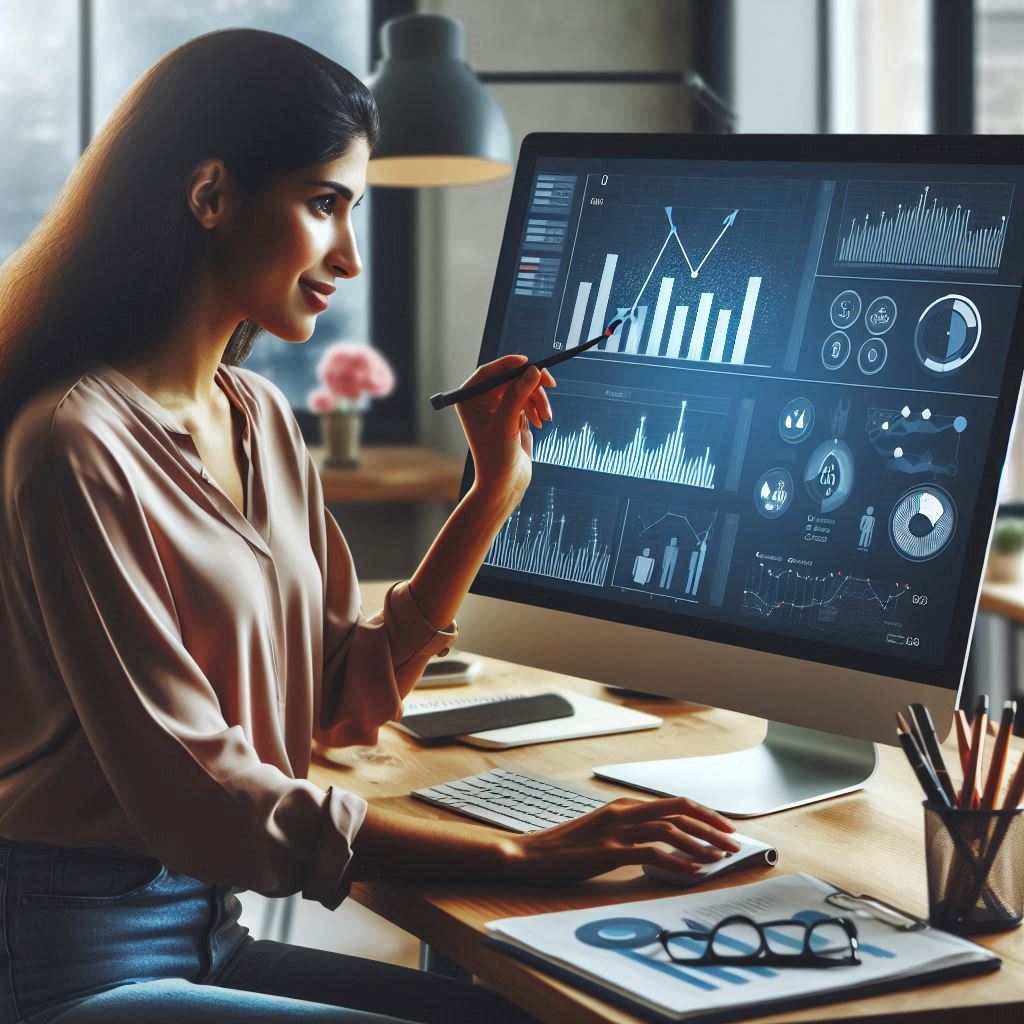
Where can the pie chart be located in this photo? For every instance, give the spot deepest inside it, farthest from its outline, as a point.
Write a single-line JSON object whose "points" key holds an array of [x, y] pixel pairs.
{"points": [[922, 523], [947, 334]]}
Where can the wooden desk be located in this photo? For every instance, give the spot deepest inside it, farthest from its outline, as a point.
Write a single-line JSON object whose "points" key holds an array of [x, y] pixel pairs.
{"points": [[871, 841], [393, 473]]}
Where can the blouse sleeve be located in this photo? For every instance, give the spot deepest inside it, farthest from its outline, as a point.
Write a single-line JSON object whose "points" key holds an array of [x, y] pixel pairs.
{"points": [[193, 787], [370, 662]]}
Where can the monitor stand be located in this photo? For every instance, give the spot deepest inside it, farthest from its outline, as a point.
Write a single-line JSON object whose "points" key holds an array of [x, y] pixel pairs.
{"points": [[792, 766]]}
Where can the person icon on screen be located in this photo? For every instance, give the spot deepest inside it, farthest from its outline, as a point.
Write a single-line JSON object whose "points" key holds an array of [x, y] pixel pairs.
{"points": [[668, 563], [867, 529], [697, 565], [643, 568]]}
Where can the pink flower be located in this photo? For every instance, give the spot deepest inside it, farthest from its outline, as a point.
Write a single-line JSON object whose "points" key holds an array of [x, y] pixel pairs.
{"points": [[320, 400], [350, 370]]}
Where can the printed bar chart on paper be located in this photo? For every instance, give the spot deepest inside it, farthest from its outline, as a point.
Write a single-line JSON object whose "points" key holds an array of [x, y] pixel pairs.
{"points": [[691, 281], [557, 533], [671, 444], [906, 225]]}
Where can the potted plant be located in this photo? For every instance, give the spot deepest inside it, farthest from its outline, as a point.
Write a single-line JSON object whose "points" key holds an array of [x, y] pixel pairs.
{"points": [[1006, 555], [350, 374]]}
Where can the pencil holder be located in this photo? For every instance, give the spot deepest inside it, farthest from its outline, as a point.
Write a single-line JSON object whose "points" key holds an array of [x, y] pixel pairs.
{"points": [[975, 862]]}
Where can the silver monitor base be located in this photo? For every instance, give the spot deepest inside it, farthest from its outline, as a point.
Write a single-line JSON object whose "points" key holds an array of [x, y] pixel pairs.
{"points": [[792, 766]]}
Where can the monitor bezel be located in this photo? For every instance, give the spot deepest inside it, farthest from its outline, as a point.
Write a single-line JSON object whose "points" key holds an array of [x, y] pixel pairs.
{"points": [[804, 149]]}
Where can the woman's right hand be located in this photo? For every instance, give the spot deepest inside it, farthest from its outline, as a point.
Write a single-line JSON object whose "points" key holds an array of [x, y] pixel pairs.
{"points": [[623, 832]]}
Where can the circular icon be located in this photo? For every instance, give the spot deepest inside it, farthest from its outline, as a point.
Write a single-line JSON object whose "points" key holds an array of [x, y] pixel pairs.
{"points": [[836, 350], [618, 933], [880, 315], [947, 334], [773, 493], [922, 523], [846, 307], [829, 474], [796, 420], [872, 355]]}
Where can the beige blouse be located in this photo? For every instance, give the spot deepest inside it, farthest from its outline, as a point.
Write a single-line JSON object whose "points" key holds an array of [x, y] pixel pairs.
{"points": [[165, 660]]}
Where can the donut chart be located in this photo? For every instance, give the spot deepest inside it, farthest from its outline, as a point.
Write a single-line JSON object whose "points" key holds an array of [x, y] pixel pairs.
{"points": [[922, 523], [947, 334]]}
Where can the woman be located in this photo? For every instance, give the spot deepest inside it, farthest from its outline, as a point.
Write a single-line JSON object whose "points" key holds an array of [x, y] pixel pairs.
{"points": [[182, 611]]}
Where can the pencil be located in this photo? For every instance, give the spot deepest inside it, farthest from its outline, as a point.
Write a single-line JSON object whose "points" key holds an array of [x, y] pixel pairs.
{"points": [[963, 738], [997, 761], [969, 796]]}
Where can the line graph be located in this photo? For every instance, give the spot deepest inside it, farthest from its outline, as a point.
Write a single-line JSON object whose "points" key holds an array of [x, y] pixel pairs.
{"points": [[934, 226], [557, 533], [838, 602], [634, 440], [702, 275]]}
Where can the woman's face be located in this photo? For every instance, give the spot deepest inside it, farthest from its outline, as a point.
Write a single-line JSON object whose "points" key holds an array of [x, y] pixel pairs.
{"points": [[299, 231]]}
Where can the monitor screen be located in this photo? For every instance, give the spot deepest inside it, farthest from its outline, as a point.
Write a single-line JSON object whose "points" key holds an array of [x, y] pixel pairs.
{"points": [[794, 440]]}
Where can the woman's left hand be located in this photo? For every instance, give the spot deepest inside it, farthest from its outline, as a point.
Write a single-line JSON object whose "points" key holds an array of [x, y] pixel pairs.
{"points": [[497, 427]]}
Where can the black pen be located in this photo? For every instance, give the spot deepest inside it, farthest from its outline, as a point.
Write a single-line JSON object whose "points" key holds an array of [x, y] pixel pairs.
{"points": [[926, 727], [915, 755], [445, 398]]}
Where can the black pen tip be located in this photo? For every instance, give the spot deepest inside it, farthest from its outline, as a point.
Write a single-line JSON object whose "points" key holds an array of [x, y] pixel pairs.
{"points": [[981, 708]]}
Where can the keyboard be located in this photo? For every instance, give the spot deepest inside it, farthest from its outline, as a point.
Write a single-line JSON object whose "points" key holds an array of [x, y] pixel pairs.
{"points": [[512, 800]]}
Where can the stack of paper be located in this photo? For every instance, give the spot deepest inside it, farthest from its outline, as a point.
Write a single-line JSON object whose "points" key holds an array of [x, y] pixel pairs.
{"points": [[614, 951]]}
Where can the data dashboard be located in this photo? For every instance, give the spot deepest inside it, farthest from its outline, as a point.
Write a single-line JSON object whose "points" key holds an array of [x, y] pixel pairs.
{"points": [[785, 440]]}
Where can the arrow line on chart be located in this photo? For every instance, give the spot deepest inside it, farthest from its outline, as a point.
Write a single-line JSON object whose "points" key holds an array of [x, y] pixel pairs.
{"points": [[726, 224], [654, 266]]}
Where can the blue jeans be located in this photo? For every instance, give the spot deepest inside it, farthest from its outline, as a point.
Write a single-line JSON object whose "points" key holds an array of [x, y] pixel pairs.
{"points": [[90, 935]]}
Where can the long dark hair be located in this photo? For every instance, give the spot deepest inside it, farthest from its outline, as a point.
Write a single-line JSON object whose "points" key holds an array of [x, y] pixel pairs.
{"points": [[116, 257]]}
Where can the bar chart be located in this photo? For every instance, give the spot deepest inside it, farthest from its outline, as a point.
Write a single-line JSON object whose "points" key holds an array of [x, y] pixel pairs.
{"points": [[703, 277], [669, 444], [557, 533], [896, 224]]}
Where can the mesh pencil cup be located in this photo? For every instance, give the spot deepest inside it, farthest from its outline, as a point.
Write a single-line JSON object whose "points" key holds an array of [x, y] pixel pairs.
{"points": [[975, 863]]}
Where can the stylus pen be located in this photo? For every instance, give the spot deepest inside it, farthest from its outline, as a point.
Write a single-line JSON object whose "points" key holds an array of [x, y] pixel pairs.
{"points": [[445, 398], [925, 725]]}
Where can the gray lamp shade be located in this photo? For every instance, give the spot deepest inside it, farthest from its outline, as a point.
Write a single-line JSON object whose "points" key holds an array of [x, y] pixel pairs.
{"points": [[440, 124]]}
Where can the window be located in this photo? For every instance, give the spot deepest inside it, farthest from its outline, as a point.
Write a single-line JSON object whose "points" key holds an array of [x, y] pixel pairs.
{"points": [[879, 61], [39, 106]]}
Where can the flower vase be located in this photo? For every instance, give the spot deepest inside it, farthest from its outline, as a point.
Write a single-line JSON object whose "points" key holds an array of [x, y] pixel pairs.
{"points": [[341, 431]]}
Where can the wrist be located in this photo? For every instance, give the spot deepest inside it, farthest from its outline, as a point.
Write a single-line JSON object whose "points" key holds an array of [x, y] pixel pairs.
{"points": [[491, 507]]}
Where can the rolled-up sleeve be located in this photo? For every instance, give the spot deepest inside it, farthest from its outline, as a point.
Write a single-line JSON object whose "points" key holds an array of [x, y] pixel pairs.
{"points": [[194, 787], [370, 662]]}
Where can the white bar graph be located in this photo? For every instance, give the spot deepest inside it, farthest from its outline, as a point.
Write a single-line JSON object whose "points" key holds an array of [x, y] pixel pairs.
{"points": [[739, 350], [700, 325], [604, 289], [721, 330], [675, 334], [636, 328], [660, 315], [580, 310]]}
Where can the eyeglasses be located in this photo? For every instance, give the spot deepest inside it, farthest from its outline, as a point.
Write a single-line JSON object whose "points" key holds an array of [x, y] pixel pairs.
{"points": [[740, 941]]}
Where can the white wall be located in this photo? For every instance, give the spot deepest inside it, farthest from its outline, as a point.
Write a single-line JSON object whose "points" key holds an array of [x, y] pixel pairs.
{"points": [[460, 228]]}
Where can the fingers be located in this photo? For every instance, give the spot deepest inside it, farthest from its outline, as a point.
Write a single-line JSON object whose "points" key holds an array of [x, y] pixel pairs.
{"points": [[668, 832], [636, 810], [516, 397], [658, 857], [684, 814], [496, 367]]}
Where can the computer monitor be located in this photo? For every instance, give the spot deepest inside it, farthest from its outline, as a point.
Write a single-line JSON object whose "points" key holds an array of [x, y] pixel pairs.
{"points": [[772, 488]]}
